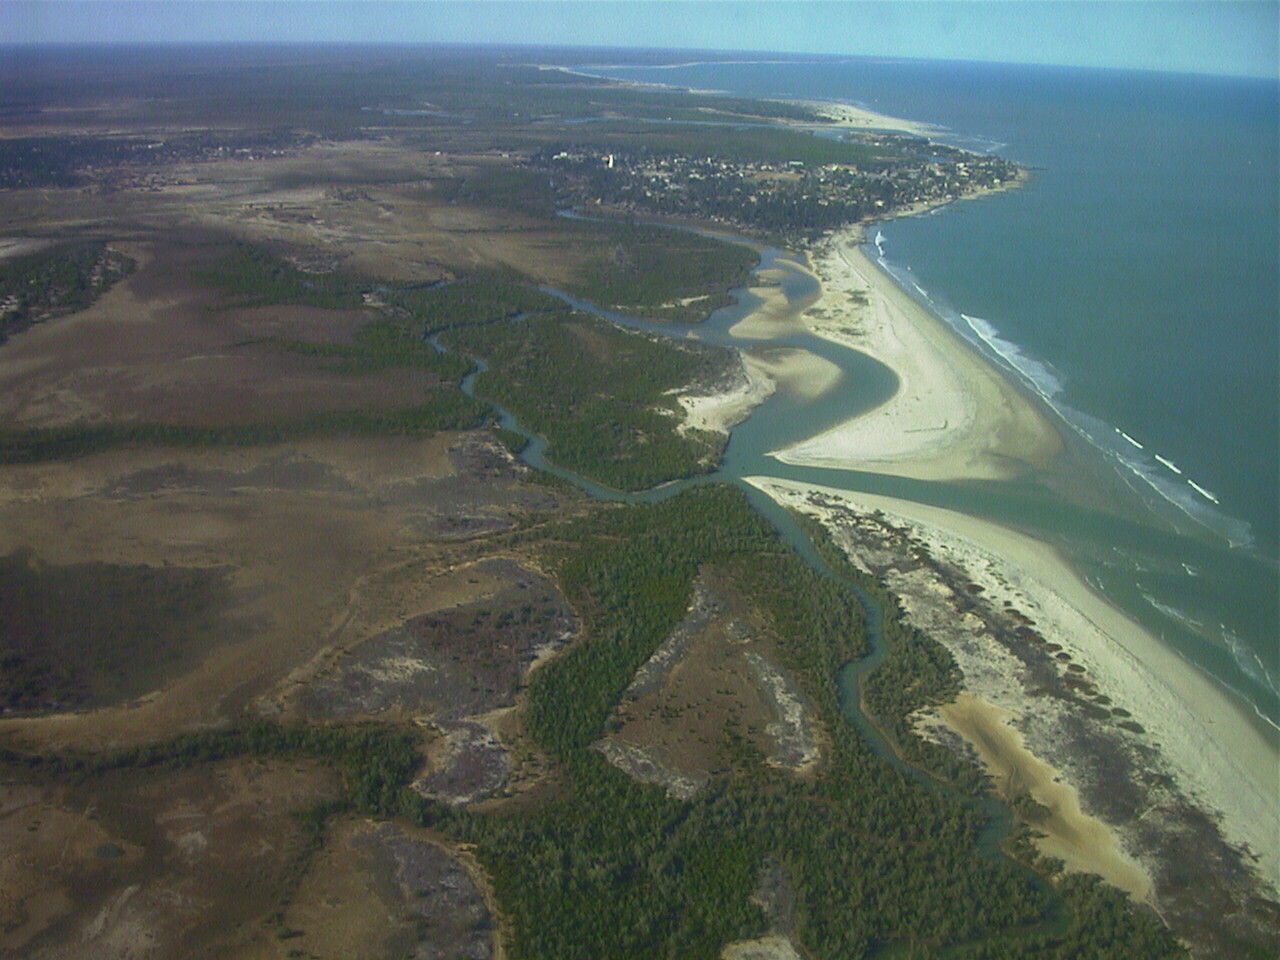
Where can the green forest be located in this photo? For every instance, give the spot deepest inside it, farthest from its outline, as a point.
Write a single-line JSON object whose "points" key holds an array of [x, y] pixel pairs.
{"points": [[56, 281], [880, 865], [599, 394]]}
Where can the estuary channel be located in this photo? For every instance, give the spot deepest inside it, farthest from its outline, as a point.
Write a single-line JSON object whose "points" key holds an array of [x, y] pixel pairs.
{"points": [[785, 417]]}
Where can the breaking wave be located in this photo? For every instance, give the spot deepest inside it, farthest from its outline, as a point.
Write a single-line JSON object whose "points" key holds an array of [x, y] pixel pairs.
{"points": [[1156, 474]]}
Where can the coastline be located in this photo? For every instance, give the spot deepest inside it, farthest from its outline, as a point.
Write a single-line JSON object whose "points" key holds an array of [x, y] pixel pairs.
{"points": [[848, 116], [841, 115], [764, 371], [1194, 732], [953, 416]]}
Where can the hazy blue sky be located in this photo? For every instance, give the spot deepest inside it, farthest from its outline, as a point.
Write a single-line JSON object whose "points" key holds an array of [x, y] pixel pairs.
{"points": [[1214, 37]]}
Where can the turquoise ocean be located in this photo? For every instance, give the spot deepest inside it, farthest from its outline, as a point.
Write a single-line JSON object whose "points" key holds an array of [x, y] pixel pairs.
{"points": [[1133, 287]]}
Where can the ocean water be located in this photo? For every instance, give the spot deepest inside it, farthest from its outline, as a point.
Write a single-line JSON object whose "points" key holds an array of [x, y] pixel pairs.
{"points": [[1134, 287]]}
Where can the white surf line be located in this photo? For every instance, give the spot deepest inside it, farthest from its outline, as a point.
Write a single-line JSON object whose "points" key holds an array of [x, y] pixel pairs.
{"points": [[1203, 492]]}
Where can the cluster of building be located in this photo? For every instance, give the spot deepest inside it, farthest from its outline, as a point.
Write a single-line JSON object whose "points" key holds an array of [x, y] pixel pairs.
{"points": [[791, 197]]}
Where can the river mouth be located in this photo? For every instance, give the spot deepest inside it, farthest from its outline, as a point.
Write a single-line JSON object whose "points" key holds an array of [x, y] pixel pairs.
{"points": [[794, 411], [1098, 541], [1136, 559]]}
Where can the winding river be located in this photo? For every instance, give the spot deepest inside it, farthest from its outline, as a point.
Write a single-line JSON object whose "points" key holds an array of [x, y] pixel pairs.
{"points": [[782, 419]]}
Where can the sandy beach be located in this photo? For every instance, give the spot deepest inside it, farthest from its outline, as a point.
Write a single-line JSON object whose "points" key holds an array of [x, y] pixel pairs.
{"points": [[1214, 751], [952, 418], [765, 370], [860, 118]]}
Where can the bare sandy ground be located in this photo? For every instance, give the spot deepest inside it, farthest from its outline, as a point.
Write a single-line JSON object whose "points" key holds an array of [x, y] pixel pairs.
{"points": [[952, 417], [797, 371], [764, 370], [860, 118], [1218, 754], [720, 412], [1084, 843]]}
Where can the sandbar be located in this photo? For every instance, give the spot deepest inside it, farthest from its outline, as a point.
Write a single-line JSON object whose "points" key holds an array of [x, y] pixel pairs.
{"points": [[773, 317], [1083, 843], [723, 409], [861, 118], [1217, 753], [765, 370], [952, 417]]}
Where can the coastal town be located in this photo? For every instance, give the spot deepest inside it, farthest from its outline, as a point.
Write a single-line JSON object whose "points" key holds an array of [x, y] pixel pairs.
{"points": [[792, 199]]}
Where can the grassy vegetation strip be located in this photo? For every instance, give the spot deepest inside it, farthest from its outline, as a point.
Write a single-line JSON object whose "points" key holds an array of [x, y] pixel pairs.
{"points": [[450, 409], [599, 394]]}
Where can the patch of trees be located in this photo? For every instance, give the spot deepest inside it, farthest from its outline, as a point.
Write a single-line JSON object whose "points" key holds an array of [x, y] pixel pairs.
{"points": [[599, 394], [632, 570], [647, 270], [482, 297], [57, 281], [381, 345], [251, 276]]}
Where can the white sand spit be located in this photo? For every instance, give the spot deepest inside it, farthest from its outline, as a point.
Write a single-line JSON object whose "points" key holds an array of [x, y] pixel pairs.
{"points": [[1218, 753], [862, 118], [720, 412], [952, 417]]}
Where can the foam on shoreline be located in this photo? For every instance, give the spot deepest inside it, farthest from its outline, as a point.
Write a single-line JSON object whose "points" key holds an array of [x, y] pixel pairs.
{"points": [[952, 417]]}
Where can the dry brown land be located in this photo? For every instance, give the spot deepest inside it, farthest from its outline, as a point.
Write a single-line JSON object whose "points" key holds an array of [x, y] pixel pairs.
{"points": [[330, 544], [160, 348], [326, 542], [328, 549], [169, 864]]}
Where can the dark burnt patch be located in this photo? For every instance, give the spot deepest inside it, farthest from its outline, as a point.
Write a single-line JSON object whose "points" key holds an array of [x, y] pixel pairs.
{"points": [[451, 664]]}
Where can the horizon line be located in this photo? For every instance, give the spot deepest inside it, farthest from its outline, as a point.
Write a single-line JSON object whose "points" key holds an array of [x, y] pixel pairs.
{"points": [[723, 55]]}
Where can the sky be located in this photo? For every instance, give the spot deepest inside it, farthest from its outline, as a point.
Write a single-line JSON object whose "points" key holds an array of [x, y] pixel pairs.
{"points": [[1224, 37]]}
